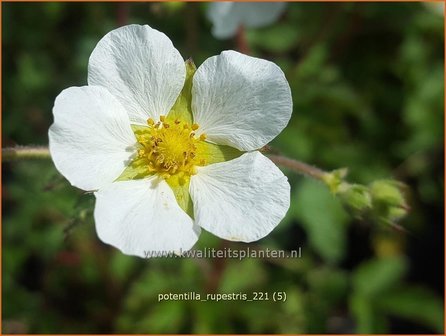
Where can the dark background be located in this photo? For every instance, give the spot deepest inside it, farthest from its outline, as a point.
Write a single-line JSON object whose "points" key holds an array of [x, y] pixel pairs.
{"points": [[367, 84]]}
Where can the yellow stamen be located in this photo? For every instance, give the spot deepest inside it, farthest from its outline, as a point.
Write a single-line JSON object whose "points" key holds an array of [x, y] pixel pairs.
{"points": [[169, 147]]}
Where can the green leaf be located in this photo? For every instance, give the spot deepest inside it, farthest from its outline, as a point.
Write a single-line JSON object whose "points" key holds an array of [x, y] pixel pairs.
{"points": [[368, 319], [278, 38], [231, 281], [378, 275], [323, 218], [168, 315], [121, 266], [414, 303], [378, 293], [329, 283]]}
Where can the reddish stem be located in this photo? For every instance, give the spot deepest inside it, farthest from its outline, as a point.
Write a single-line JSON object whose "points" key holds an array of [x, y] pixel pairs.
{"points": [[242, 42], [122, 14]]}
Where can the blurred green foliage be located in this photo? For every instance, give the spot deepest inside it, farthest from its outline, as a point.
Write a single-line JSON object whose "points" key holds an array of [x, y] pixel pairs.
{"points": [[367, 83]]}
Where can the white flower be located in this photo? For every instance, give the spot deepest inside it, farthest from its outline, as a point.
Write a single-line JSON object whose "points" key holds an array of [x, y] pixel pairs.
{"points": [[227, 17], [169, 150]]}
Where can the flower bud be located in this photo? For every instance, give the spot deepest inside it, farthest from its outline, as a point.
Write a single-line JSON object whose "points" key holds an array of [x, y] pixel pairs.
{"points": [[334, 179], [388, 200], [357, 197], [388, 191]]}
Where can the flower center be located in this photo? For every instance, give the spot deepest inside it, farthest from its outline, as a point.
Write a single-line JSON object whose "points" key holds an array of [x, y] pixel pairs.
{"points": [[169, 147]]}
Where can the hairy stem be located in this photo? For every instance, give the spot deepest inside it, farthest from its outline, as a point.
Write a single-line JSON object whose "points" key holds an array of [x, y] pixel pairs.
{"points": [[242, 42], [298, 166], [42, 152], [25, 152]]}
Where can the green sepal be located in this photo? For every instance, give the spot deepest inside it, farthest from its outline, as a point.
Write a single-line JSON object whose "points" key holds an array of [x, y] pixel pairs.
{"points": [[334, 179], [133, 172], [213, 153], [138, 128], [182, 109], [180, 188]]}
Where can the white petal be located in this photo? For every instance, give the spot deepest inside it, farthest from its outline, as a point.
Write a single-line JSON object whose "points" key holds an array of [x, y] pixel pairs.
{"points": [[240, 101], [140, 216], [140, 66], [90, 140], [260, 14], [228, 16], [225, 21], [243, 199]]}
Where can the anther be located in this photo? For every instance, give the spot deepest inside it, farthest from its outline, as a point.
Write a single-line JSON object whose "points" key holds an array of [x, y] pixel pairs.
{"points": [[203, 137], [195, 127], [162, 118]]}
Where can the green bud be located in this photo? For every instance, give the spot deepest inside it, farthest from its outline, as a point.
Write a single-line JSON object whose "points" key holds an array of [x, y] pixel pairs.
{"points": [[334, 179], [388, 192], [389, 204], [395, 213], [355, 196]]}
